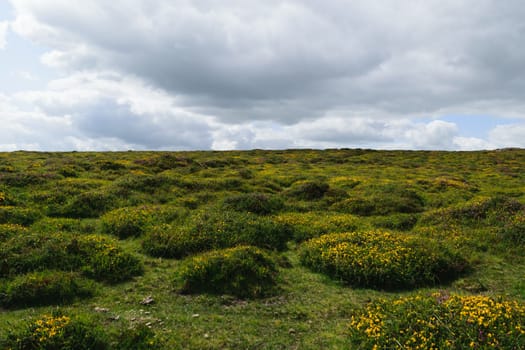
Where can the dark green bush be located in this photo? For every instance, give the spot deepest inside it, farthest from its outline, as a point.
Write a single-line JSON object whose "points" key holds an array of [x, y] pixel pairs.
{"points": [[257, 203], [96, 256], [44, 288], [18, 215], [10, 230], [308, 190], [384, 200], [89, 205], [133, 221], [245, 272], [513, 232], [58, 331], [104, 260], [52, 225], [482, 210], [36, 252], [382, 260], [401, 222], [217, 229]]}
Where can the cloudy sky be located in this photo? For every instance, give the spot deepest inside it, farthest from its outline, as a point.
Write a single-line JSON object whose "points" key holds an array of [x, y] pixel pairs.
{"points": [[241, 74]]}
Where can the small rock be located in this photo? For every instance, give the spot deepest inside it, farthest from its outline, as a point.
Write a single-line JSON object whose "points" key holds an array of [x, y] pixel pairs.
{"points": [[101, 309], [206, 335], [148, 324], [147, 300]]}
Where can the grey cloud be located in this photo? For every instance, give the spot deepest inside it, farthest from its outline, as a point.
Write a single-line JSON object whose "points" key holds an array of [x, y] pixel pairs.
{"points": [[210, 74], [403, 58]]}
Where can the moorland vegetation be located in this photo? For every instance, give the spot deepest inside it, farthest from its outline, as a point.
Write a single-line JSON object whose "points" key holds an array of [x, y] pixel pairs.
{"points": [[257, 249]]}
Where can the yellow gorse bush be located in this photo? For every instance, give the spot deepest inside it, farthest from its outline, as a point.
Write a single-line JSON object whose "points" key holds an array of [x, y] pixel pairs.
{"points": [[381, 259], [440, 321]]}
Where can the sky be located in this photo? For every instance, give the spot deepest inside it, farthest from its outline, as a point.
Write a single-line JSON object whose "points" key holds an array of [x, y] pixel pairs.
{"points": [[241, 74]]}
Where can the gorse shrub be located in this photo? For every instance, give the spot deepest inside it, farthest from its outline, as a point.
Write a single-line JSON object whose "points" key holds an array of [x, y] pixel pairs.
{"points": [[383, 200], [44, 288], [9, 230], [133, 221], [58, 331], [96, 256], [481, 210], [216, 229], [314, 224], [245, 272], [513, 231], [104, 260], [378, 259], [18, 215], [308, 190], [401, 222], [52, 225], [89, 205], [440, 321], [257, 203]]}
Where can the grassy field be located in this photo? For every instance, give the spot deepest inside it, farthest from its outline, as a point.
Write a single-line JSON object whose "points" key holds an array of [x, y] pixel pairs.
{"points": [[298, 249]]}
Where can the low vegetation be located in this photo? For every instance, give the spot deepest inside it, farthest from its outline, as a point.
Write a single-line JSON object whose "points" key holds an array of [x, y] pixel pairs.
{"points": [[297, 249]]}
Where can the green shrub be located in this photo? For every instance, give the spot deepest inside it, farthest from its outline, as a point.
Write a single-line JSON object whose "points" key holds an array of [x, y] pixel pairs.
{"points": [[169, 241], [513, 232], [314, 224], [308, 190], [401, 222], [485, 210], [257, 203], [36, 252], [44, 288], [133, 221], [104, 260], [96, 256], [216, 229], [382, 199], [18, 215], [89, 205], [378, 259], [52, 225], [245, 272], [10, 230], [58, 331], [439, 321]]}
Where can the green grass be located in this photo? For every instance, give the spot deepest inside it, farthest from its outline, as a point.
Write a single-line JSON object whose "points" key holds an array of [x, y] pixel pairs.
{"points": [[53, 204]]}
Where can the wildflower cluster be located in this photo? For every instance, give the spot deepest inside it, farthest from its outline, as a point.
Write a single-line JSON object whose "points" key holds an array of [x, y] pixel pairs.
{"points": [[57, 331], [379, 259], [49, 327], [242, 271], [440, 321]]}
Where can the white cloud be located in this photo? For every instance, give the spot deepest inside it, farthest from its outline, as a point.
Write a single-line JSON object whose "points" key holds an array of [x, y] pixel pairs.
{"points": [[4, 26], [509, 135]]}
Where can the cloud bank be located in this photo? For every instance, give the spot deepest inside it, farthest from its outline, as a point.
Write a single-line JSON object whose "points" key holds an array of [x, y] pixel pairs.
{"points": [[275, 74]]}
